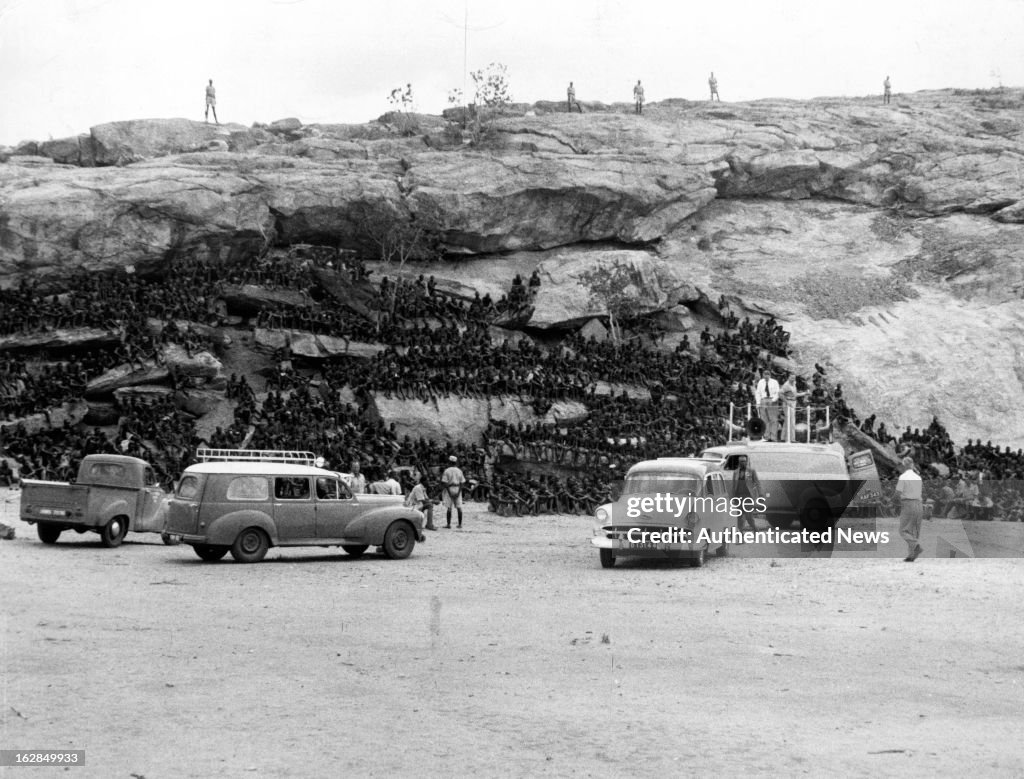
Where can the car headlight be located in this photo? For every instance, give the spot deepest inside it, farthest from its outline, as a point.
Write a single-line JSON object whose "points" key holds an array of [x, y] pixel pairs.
{"points": [[602, 515]]}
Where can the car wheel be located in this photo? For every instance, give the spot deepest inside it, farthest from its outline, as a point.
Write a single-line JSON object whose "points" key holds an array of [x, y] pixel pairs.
{"points": [[210, 553], [399, 541], [112, 533], [816, 516], [355, 550], [697, 561], [48, 533], [607, 558], [170, 540], [251, 545]]}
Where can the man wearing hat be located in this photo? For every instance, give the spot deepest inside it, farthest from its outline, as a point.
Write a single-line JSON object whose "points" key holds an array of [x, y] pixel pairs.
{"points": [[909, 489], [451, 489]]}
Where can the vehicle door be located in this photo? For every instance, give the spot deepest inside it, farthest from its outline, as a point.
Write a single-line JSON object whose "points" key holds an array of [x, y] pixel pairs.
{"points": [[864, 479], [335, 507], [294, 511], [717, 488], [150, 509]]}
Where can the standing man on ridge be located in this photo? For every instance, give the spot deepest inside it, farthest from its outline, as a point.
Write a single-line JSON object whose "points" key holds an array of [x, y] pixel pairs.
{"points": [[638, 96], [713, 84], [211, 102]]}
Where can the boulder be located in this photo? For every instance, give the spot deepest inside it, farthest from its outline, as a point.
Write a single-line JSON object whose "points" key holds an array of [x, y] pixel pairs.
{"points": [[201, 368], [76, 150], [579, 285], [594, 329], [119, 143], [126, 376], [147, 393], [313, 345], [250, 298], [198, 402], [101, 414], [285, 126], [456, 418], [78, 338]]}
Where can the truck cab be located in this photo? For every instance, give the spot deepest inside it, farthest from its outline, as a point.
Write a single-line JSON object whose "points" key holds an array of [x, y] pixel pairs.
{"points": [[112, 495]]}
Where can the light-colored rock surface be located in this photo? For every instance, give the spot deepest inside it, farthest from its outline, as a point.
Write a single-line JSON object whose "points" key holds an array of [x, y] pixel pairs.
{"points": [[827, 213], [72, 412], [82, 337], [200, 369], [457, 418], [314, 345]]}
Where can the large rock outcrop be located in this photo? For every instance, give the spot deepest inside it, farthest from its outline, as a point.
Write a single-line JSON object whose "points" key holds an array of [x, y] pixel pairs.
{"points": [[885, 238]]}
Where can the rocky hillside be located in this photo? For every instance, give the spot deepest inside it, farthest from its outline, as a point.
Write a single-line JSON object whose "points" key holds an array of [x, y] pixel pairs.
{"points": [[887, 239]]}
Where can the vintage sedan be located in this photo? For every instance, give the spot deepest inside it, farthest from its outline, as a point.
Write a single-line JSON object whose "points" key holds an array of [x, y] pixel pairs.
{"points": [[670, 508], [246, 507]]}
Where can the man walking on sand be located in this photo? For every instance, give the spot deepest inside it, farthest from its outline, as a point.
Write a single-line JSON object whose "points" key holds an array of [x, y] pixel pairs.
{"points": [[909, 490], [211, 102]]}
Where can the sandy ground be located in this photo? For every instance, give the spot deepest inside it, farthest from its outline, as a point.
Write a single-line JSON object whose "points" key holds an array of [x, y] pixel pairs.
{"points": [[504, 649]]}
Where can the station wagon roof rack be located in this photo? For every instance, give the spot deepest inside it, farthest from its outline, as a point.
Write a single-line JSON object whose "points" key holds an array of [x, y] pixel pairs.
{"points": [[295, 457]]}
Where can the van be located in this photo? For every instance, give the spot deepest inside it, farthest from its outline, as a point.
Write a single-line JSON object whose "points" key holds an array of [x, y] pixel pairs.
{"points": [[809, 483]]}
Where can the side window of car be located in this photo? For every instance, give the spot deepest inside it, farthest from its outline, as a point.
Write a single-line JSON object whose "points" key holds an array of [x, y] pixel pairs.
{"points": [[291, 488], [189, 487], [247, 488], [330, 489], [150, 477]]}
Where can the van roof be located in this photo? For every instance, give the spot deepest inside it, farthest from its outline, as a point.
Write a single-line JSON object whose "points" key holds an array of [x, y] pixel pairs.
{"points": [[695, 465], [259, 469], [776, 446]]}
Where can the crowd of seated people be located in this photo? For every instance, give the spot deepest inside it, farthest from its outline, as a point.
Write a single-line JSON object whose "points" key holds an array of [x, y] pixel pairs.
{"points": [[437, 345]]}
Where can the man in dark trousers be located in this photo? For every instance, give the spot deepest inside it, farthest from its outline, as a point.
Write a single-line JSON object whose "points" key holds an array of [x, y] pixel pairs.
{"points": [[452, 481]]}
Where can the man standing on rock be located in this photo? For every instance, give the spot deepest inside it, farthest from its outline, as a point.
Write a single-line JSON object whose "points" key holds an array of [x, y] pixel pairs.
{"points": [[211, 102], [638, 97], [570, 96], [451, 489], [909, 489], [887, 91], [713, 84]]}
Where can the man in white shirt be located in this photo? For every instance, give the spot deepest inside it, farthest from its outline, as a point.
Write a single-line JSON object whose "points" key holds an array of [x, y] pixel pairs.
{"points": [[356, 480], [766, 395], [909, 490]]}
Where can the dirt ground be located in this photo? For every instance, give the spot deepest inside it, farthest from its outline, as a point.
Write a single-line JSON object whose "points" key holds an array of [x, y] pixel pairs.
{"points": [[504, 649]]}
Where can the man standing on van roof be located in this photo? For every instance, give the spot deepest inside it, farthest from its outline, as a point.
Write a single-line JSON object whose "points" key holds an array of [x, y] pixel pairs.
{"points": [[909, 490], [451, 493]]}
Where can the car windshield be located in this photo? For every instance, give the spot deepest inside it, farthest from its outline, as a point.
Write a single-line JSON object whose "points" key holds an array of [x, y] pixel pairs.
{"points": [[654, 482]]}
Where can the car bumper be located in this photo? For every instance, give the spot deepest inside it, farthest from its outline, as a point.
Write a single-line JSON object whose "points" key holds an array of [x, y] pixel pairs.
{"points": [[623, 548]]}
